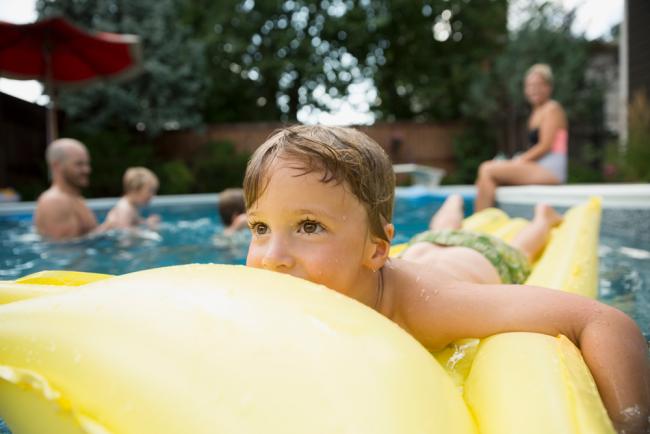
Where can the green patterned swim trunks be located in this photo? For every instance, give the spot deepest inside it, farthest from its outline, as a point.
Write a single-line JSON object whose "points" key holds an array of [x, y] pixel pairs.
{"points": [[510, 263]]}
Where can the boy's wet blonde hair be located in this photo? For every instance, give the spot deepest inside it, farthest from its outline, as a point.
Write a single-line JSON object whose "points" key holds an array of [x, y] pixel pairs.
{"points": [[137, 177], [343, 155]]}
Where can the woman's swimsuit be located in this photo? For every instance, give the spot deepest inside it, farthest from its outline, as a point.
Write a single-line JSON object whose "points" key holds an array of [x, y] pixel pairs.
{"points": [[555, 161], [510, 263]]}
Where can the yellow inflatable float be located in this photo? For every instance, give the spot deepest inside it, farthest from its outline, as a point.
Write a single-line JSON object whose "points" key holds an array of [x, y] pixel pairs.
{"points": [[227, 349]]}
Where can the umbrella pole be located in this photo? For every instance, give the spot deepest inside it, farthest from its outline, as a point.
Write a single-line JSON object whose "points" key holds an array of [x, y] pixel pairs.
{"points": [[52, 127], [52, 130]]}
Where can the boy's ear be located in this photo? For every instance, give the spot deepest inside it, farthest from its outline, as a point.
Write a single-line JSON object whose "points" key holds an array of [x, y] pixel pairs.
{"points": [[389, 229], [381, 248]]}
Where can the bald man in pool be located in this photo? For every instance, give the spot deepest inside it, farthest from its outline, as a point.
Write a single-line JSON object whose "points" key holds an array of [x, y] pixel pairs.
{"points": [[61, 212]]}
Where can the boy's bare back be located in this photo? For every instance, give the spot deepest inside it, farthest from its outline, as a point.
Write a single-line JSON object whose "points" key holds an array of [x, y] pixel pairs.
{"points": [[122, 215]]}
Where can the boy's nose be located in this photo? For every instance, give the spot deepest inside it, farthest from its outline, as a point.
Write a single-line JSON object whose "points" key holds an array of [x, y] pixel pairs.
{"points": [[277, 256]]}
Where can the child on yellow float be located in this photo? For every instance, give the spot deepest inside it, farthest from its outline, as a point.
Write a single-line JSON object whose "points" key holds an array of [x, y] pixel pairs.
{"points": [[319, 203]]}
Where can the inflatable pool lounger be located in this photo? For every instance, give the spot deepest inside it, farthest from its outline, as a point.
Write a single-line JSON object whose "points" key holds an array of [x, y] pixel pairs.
{"points": [[229, 349]]}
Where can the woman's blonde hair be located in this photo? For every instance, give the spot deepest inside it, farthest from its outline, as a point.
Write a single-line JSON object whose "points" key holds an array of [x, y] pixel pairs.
{"points": [[342, 155], [543, 70], [137, 177]]}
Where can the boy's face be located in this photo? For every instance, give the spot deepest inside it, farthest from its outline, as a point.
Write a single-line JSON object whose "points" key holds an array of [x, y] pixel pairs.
{"points": [[312, 230]]}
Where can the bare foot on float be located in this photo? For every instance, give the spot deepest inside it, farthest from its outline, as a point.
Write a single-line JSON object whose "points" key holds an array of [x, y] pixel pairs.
{"points": [[450, 215], [545, 213], [532, 239]]}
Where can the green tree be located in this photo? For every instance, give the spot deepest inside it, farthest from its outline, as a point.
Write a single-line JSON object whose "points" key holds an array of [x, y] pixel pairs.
{"points": [[268, 59], [168, 93], [424, 54], [247, 60]]}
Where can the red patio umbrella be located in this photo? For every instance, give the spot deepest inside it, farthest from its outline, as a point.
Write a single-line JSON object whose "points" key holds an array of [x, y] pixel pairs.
{"points": [[61, 55]]}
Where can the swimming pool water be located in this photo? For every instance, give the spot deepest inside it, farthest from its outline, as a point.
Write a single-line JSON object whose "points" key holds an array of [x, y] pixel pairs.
{"points": [[193, 234], [187, 234]]}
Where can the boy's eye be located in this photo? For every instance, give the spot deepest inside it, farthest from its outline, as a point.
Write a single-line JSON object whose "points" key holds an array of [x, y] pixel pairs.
{"points": [[310, 227], [258, 228]]}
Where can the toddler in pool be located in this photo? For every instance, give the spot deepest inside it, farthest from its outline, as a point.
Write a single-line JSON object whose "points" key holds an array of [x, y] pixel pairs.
{"points": [[319, 203], [140, 185]]}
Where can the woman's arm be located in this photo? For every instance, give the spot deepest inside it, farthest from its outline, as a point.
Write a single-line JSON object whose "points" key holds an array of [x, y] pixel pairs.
{"points": [[611, 343], [553, 121]]}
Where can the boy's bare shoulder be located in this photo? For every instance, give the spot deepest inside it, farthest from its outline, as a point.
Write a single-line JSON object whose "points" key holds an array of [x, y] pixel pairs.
{"points": [[417, 299], [123, 205]]}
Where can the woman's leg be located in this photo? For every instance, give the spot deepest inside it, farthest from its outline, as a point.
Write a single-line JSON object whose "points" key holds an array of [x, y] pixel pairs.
{"points": [[492, 173], [532, 239], [450, 214]]}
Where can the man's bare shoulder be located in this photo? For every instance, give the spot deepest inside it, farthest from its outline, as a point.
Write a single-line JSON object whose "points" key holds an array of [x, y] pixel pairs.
{"points": [[54, 195], [53, 200]]}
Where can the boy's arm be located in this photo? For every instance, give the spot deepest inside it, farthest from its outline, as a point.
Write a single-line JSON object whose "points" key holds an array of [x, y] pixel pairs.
{"points": [[611, 343]]}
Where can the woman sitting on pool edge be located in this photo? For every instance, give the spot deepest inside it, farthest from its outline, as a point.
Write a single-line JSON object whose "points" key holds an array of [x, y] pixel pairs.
{"points": [[545, 162], [319, 204]]}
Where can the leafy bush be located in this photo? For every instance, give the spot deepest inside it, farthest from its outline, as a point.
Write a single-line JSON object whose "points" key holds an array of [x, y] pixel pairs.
{"points": [[473, 146], [175, 178], [587, 168], [218, 166], [630, 161], [635, 156]]}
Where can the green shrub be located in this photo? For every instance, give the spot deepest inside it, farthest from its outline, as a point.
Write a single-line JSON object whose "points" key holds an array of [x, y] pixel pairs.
{"points": [[471, 147], [217, 166], [630, 162], [635, 158], [587, 167], [175, 178]]}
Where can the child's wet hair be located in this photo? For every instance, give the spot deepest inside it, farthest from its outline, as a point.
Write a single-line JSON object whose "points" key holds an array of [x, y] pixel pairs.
{"points": [[231, 204], [137, 177], [343, 155]]}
